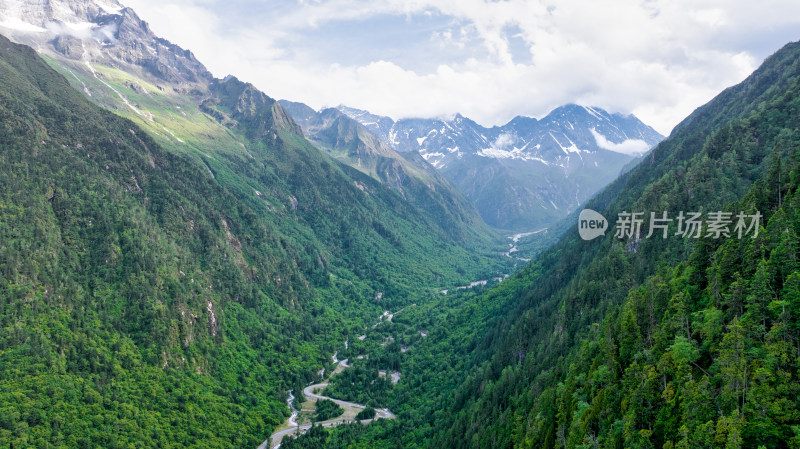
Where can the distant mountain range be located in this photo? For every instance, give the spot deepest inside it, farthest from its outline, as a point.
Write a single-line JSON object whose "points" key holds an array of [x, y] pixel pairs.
{"points": [[408, 173], [522, 176], [527, 173]]}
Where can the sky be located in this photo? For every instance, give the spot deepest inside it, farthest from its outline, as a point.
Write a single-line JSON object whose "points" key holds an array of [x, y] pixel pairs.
{"points": [[488, 60]]}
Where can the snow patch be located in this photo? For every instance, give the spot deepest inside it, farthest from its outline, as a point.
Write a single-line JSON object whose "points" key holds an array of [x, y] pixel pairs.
{"points": [[558, 143], [496, 153], [572, 148], [515, 153], [591, 110], [427, 156]]}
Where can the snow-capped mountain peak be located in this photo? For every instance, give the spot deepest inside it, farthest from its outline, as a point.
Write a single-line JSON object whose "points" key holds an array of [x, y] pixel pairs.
{"points": [[98, 31], [567, 130], [44, 15], [529, 171]]}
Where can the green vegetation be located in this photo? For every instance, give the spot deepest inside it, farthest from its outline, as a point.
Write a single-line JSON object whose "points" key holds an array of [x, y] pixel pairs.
{"points": [[157, 292], [327, 409], [367, 413], [669, 366], [360, 385], [655, 343], [341, 438], [165, 288]]}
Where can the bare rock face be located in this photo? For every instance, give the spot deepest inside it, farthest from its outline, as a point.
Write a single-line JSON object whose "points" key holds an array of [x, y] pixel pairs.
{"points": [[42, 13], [104, 32], [244, 105], [99, 31], [68, 46]]}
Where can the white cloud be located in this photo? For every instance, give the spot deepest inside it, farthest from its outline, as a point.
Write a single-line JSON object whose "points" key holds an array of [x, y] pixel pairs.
{"points": [[504, 141], [84, 30], [633, 147], [658, 59]]}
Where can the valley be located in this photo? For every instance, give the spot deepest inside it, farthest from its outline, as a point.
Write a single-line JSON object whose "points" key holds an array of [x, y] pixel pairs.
{"points": [[294, 425], [247, 286], [186, 261], [298, 424], [513, 248]]}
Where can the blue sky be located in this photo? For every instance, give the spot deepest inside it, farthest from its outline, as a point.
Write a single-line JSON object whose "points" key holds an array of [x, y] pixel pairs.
{"points": [[488, 60]]}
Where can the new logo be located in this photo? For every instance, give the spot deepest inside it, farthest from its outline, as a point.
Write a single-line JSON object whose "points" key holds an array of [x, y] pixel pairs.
{"points": [[591, 224]]}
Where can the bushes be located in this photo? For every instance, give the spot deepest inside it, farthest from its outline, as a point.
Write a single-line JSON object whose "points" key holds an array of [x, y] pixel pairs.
{"points": [[327, 409], [367, 413]]}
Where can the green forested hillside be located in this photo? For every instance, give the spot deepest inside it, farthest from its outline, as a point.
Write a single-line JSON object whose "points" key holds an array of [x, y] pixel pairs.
{"points": [[138, 297], [168, 297], [635, 342], [165, 280], [251, 147], [662, 342]]}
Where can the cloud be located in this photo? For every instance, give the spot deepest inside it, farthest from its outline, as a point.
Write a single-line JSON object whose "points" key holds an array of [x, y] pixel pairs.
{"points": [[504, 141], [632, 147], [84, 30], [657, 59]]}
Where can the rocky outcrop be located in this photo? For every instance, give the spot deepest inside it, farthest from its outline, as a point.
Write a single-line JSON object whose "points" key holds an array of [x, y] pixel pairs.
{"points": [[101, 31]]}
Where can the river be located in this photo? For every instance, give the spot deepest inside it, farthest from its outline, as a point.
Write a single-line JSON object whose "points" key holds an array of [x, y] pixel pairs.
{"points": [[351, 409]]}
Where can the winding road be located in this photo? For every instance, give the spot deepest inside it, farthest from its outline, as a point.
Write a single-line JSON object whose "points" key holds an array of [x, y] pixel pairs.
{"points": [[351, 409], [379, 412]]}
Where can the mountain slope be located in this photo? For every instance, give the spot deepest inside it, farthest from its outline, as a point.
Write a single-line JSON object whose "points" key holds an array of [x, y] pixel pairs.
{"points": [[641, 342], [132, 285], [528, 173], [166, 279], [408, 173], [235, 132], [630, 342]]}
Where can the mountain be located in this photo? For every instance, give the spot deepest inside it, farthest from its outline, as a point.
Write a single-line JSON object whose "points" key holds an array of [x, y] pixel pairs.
{"points": [[417, 181], [99, 29], [659, 342], [348, 141], [627, 341], [175, 255], [132, 284], [108, 52], [528, 173]]}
